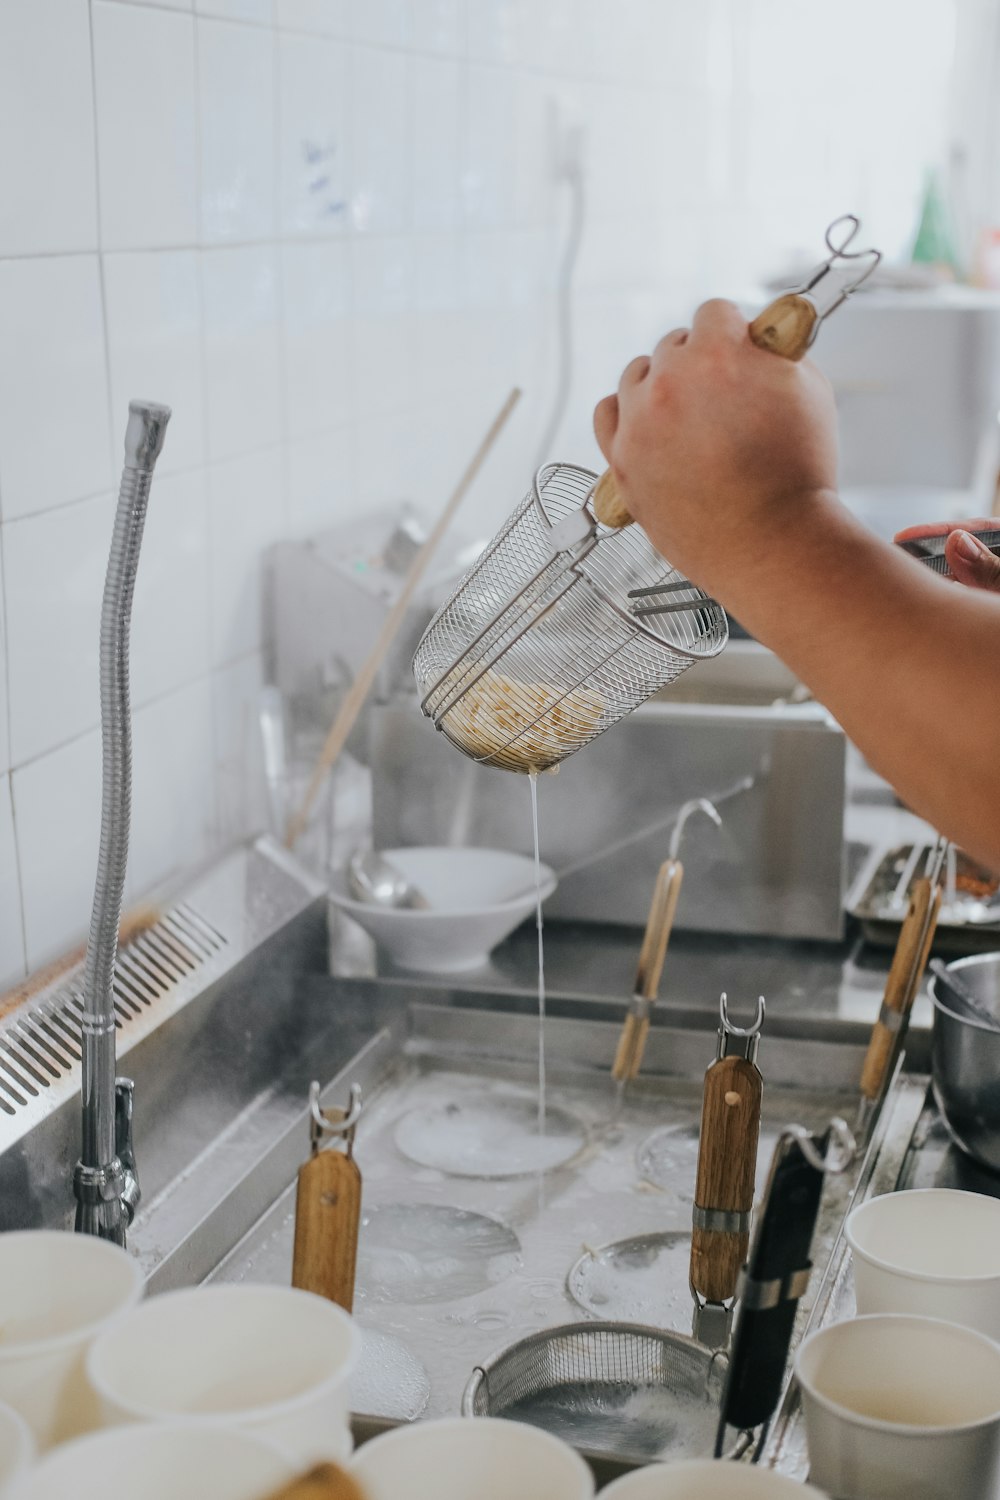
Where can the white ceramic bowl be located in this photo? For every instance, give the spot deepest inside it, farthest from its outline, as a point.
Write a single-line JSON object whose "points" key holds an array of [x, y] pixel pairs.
{"points": [[269, 1359], [707, 1479], [58, 1291], [477, 897], [471, 1458], [158, 1461], [17, 1448], [934, 1252], [900, 1407]]}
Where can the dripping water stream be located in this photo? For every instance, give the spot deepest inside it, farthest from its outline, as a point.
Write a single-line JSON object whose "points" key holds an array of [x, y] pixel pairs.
{"points": [[533, 779]]}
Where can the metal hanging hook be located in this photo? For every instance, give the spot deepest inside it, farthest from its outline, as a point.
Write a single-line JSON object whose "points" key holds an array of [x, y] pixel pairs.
{"points": [[320, 1123], [835, 278], [697, 804], [841, 1149], [731, 1029]]}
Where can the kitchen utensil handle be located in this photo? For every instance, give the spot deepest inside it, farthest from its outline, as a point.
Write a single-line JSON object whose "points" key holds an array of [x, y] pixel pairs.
{"points": [[785, 327], [324, 1482], [780, 1254], [659, 924], [727, 1166], [912, 947], [327, 1216]]}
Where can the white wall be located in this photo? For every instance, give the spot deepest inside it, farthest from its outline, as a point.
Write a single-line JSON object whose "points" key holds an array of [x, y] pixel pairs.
{"points": [[326, 232]]}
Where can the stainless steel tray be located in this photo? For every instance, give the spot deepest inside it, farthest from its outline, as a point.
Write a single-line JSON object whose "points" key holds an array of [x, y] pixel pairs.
{"points": [[879, 894], [454, 1267]]}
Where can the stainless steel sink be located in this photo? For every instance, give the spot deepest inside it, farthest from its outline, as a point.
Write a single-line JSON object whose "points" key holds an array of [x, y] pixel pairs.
{"points": [[223, 1056]]}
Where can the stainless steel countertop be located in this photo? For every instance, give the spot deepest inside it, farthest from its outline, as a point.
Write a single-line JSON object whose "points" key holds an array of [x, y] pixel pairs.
{"points": [[833, 987]]}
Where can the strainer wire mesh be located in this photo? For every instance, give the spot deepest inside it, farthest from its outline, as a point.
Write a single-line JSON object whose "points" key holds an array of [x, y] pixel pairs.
{"points": [[592, 1357], [534, 654]]}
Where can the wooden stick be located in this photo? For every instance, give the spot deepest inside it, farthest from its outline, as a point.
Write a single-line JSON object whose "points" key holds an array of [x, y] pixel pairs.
{"points": [[362, 684]]}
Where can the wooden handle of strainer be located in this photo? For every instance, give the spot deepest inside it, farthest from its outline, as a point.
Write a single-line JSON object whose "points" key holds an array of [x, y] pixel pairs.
{"points": [[785, 328], [324, 1482]]}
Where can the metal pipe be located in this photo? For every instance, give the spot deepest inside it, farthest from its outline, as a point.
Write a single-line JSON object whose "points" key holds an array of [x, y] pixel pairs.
{"points": [[104, 1182]]}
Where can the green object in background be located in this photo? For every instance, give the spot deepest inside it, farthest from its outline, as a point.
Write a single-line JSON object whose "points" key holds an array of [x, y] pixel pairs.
{"points": [[935, 243]]}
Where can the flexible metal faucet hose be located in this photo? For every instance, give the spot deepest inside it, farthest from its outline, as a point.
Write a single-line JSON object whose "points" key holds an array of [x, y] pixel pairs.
{"points": [[99, 1181]]}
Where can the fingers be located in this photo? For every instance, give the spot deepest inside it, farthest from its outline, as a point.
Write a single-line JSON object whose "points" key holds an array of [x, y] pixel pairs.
{"points": [[943, 528], [971, 562], [606, 424], [633, 374], [718, 319], [675, 339]]}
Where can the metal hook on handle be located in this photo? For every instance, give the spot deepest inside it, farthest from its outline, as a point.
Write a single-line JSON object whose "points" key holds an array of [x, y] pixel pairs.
{"points": [[320, 1123], [841, 1149], [728, 1026], [842, 272], [697, 804]]}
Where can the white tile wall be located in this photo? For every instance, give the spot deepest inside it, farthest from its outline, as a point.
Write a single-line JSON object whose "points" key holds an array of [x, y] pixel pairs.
{"points": [[154, 334], [327, 232], [49, 198], [57, 814], [246, 514], [54, 444], [54, 567], [236, 115], [11, 920], [144, 78], [171, 612], [313, 108], [173, 800], [242, 342]]}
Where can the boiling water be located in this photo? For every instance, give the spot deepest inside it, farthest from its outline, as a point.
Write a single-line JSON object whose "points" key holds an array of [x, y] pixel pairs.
{"points": [[641, 1421], [533, 781]]}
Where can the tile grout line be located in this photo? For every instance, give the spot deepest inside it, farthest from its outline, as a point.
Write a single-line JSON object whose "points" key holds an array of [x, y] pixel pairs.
{"points": [[203, 362]]}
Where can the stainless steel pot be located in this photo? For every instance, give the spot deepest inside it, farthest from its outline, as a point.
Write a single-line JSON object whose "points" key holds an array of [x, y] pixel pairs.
{"points": [[966, 1061]]}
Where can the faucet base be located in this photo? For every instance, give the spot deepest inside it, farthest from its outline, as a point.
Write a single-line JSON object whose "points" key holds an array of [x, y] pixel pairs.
{"points": [[99, 1207]]}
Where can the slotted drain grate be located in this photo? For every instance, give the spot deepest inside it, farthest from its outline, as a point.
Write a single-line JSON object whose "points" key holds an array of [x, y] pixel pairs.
{"points": [[42, 1045]]}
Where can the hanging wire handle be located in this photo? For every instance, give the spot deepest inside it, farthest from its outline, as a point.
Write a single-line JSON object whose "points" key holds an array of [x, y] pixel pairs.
{"points": [[840, 1152], [326, 1122], [843, 271], [729, 1026], [696, 804]]}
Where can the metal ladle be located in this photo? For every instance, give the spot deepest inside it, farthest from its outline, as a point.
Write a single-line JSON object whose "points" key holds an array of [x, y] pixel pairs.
{"points": [[376, 881]]}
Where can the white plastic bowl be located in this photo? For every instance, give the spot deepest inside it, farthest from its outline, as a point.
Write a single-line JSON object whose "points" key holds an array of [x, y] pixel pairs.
{"points": [[933, 1252], [160, 1461], [471, 1458], [707, 1479], [17, 1448], [901, 1407], [477, 897], [269, 1359], [57, 1292]]}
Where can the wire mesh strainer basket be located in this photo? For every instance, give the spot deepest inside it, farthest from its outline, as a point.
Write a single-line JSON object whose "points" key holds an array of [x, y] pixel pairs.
{"points": [[541, 647], [612, 1388]]}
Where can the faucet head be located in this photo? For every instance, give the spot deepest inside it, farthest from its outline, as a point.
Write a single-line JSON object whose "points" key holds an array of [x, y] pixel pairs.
{"points": [[147, 424]]}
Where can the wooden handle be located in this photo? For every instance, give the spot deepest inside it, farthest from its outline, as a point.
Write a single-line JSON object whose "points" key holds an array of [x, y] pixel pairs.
{"points": [[727, 1166], [635, 1030], [659, 924], [327, 1215], [906, 971], [785, 328], [361, 686], [324, 1482]]}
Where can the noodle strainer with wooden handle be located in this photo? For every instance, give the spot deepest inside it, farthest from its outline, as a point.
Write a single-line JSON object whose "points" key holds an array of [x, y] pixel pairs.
{"points": [[570, 618]]}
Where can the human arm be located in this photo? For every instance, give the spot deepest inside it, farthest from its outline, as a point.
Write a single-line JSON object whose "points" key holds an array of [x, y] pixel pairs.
{"points": [[727, 457]]}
